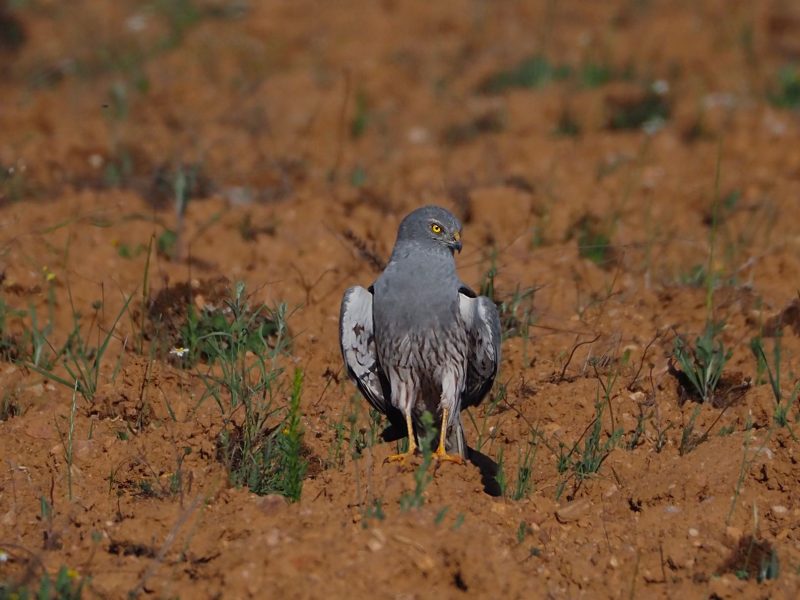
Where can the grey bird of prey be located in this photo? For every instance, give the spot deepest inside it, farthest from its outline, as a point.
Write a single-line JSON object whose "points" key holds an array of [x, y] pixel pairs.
{"points": [[420, 339]]}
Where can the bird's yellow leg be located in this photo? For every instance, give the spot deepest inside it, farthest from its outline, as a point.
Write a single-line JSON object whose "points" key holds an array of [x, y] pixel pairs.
{"points": [[441, 453], [412, 444]]}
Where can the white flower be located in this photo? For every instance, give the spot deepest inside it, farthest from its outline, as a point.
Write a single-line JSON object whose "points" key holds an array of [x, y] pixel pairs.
{"points": [[180, 351], [3, 556]]}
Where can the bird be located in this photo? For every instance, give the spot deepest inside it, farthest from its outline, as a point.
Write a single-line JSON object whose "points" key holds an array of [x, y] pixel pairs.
{"points": [[419, 339]]}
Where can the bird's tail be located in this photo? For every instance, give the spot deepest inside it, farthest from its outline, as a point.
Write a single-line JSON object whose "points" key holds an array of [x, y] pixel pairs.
{"points": [[455, 443]]}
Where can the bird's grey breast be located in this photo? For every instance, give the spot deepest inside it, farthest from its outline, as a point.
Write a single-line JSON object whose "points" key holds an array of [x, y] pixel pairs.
{"points": [[416, 294], [418, 325]]}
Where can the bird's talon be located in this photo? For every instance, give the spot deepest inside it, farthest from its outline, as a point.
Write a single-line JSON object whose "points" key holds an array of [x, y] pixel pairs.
{"points": [[445, 457], [402, 458]]}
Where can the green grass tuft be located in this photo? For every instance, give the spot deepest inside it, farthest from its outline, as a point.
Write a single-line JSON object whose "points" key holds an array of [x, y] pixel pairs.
{"points": [[703, 363]]}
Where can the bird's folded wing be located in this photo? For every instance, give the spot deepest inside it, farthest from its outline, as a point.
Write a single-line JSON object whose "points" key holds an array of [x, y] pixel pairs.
{"points": [[482, 322], [357, 339]]}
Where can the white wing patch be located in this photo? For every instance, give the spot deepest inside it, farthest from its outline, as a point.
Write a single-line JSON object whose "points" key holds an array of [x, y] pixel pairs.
{"points": [[482, 322], [357, 339]]}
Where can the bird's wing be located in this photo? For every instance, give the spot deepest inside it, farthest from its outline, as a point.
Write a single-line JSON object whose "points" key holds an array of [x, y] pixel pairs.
{"points": [[482, 322], [357, 339]]}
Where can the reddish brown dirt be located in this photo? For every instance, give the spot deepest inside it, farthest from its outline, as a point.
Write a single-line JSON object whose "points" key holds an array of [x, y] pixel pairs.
{"points": [[314, 128]]}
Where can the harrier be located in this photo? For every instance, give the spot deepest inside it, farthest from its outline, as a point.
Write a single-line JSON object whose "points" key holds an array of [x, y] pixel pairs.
{"points": [[419, 339]]}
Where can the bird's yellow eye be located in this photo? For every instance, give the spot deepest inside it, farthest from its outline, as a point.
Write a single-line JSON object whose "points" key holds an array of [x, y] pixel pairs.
{"points": [[436, 228]]}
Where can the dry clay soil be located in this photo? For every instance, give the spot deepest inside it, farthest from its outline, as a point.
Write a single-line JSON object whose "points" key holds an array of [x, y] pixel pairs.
{"points": [[305, 131]]}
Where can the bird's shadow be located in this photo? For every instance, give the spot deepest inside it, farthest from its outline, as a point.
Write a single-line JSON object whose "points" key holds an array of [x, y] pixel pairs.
{"points": [[487, 467], [489, 470]]}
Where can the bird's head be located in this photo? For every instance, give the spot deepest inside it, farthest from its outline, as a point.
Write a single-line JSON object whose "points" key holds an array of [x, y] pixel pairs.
{"points": [[431, 225]]}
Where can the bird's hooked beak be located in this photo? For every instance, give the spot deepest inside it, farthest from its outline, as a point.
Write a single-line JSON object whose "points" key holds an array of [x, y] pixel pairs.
{"points": [[455, 243]]}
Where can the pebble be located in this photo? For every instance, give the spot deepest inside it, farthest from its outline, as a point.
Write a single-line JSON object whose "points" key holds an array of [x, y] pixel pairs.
{"points": [[613, 489], [271, 503], [779, 510], [573, 511], [693, 532], [377, 540], [733, 535], [425, 563], [273, 538], [613, 562]]}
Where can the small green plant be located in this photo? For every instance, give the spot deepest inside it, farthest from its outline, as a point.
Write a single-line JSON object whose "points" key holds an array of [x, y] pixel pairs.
{"points": [[261, 441], [358, 176], [9, 406], [522, 531], [516, 313], [291, 465], [10, 347], [517, 310], [594, 74], [638, 432], [594, 241], [696, 277], [754, 558], [786, 89], [180, 16], [216, 333], [689, 441], [67, 439], [66, 585], [485, 432], [704, 362], [648, 111], [595, 450], [500, 477], [583, 463], [422, 477], [79, 359], [38, 341], [360, 122], [533, 72], [524, 479], [335, 450], [782, 408], [373, 512]]}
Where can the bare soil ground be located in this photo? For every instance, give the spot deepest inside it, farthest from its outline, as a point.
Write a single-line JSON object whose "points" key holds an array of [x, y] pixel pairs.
{"points": [[626, 171]]}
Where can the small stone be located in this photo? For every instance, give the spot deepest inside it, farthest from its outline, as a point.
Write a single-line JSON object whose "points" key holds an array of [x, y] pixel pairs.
{"points": [[732, 535], [82, 448], [271, 503], [779, 510], [273, 538], [573, 511], [425, 563], [613, 562], [693, 532], [538, 518], [418, 135], [720, 587], [613, 489], [648, 576], [376, 541], [9, 518]]}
